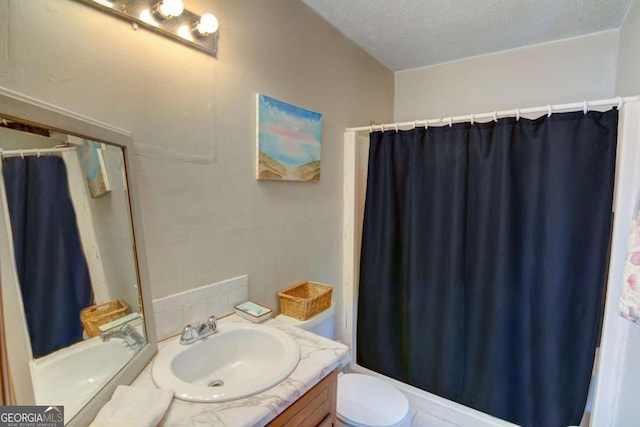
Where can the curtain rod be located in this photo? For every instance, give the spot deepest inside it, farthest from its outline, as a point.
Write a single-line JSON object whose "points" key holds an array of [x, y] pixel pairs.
{"points": [[33, 151], [517, 112]]}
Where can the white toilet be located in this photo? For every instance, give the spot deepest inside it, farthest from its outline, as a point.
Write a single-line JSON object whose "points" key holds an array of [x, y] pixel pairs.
{"points": [[363, 400]]}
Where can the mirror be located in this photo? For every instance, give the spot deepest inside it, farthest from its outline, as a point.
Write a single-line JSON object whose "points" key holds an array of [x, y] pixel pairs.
{"points": [[76, 305]]}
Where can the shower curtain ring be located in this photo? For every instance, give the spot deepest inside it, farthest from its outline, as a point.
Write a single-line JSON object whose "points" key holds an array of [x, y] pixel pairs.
{"points": [[21, 154], [472, 119], [371, 130], [517, 114], [382, 127], [585, 107], [620, 102], [549, 110], [450, 121], [495, 116], [396, 126], [426, 124]]}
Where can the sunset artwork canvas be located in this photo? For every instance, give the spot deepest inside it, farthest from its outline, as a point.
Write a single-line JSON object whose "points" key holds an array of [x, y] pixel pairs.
{"points": [[289, 141]]}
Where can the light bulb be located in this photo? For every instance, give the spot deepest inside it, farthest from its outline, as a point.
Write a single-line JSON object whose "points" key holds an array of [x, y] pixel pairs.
{"points": [[208, 24], [170, 8], [185, 32]]}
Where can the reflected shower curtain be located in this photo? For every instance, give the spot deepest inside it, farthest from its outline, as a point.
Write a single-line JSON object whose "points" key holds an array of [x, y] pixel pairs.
{"points": [[50, 263], [483, 261]]}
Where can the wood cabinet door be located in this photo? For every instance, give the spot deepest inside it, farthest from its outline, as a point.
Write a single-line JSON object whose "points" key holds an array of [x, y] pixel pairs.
{"points": [[316, 408]]}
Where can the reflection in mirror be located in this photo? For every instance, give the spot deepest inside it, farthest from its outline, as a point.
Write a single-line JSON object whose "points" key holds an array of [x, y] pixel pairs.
{"points": [[74, 254]]}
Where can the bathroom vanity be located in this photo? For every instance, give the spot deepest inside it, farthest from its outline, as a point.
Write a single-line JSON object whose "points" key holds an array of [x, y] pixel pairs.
{"points": [[308, 393]]}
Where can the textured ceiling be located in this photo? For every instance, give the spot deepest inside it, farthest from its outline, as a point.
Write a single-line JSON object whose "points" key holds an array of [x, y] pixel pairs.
{"points": [[404, 34]]}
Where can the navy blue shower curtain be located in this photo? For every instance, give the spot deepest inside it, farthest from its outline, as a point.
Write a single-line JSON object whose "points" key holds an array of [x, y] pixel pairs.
{"points": [[483, 261], [51, 267]]}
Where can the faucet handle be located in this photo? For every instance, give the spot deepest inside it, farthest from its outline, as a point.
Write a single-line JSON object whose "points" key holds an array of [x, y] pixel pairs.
{"points": [[188, 333], [211, 321]]}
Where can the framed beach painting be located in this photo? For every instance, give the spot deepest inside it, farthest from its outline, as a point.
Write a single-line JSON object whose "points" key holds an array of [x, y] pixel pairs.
{"points": [[94, 167], [289, 141]]}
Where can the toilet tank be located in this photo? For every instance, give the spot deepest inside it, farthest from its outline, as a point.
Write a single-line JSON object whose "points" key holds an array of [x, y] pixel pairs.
{"points": [[320, 324]]}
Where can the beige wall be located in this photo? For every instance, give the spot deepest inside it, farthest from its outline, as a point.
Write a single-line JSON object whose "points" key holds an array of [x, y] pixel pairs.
{"points": [[570, 70], [628, 79], [192, 116]]}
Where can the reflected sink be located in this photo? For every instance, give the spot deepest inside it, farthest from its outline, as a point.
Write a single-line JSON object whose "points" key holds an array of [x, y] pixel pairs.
{"points": [[238, 361], [73, 375]]}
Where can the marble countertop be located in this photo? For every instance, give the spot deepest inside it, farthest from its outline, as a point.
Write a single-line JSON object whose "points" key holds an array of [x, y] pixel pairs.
{"points": [[318, 357]]}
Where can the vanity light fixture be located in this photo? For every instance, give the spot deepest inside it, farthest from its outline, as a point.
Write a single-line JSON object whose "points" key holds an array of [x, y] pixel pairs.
{"points": [[166, 17]]}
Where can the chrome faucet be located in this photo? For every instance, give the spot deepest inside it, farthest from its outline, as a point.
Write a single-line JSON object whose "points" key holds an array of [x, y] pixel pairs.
{"points": [[196, 332], [131, 337]]}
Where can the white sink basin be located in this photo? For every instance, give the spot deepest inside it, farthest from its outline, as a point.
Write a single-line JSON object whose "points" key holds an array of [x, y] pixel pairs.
{"points": [[238, 361]]}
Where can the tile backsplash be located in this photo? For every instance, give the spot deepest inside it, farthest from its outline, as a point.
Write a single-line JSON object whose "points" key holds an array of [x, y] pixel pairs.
{"points": [[172, 313]]}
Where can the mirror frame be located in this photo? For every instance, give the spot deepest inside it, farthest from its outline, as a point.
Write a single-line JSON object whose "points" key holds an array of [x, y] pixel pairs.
{"points": [[23, 108]]}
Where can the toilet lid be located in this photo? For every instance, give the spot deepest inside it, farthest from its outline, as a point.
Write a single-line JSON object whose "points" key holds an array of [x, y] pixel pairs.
{"points": [[365, 400]]}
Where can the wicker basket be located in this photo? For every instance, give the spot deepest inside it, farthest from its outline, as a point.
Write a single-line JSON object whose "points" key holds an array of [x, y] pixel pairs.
{"points": [[96, 315], [305, 299]]}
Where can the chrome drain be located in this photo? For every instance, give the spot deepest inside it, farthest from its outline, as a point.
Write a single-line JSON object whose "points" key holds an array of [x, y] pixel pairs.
{"points": [[216, 383]]}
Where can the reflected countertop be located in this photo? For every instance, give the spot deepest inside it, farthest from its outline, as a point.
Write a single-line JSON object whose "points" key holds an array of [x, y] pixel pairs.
{"points": [[319, 357]]}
